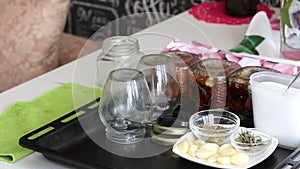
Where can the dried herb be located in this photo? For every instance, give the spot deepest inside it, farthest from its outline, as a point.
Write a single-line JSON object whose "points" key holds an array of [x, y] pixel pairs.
{"points": [[215, 127], [214, 133], [248, 137]]}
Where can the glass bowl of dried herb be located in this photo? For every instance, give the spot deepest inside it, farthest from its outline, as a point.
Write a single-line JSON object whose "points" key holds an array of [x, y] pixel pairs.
{"points": [[214, 125], [250, 140]]}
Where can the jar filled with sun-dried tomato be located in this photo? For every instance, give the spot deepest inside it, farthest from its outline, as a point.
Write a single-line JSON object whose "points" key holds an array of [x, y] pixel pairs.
{"points": [[239, 93], [183, 61], [186, 57], [211, 76]]}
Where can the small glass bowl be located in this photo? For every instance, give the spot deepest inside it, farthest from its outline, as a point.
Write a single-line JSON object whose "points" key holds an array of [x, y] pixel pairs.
{"points": [[251, 148], [214, 125]]}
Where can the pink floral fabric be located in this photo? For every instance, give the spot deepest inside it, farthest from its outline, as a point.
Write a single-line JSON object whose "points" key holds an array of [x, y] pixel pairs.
{"points": [[29, 34], [243, 59], [214, 12]]}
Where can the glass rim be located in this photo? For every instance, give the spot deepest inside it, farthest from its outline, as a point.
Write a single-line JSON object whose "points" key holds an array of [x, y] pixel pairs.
{"points": [[235, 119], [128, 73], [148, 59], [120, 44], [277, 78]]}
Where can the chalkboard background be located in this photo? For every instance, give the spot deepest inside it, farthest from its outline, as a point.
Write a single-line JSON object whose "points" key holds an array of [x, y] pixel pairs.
{"points": [[87, 16]]}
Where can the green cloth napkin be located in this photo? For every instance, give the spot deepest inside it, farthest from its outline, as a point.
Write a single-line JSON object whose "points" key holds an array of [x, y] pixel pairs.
{"points": [[259, 38], [24, 117]]}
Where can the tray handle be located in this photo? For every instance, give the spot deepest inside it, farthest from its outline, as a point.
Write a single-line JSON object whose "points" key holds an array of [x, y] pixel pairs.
{"points": [[31, 138], [292, 161]]}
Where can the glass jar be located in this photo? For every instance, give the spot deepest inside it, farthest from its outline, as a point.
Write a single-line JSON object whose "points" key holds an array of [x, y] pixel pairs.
{"points": [[290, 29], [211, 76], [117, 52], [183, 61], [182, 58], [239, 93]]}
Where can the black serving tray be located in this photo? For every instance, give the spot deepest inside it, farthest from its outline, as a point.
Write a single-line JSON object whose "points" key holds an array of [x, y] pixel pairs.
{"points": [[292, 161], [66, 141]]}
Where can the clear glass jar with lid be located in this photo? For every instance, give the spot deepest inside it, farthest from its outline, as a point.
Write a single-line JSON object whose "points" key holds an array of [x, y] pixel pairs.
{"points": [[117, 52]]}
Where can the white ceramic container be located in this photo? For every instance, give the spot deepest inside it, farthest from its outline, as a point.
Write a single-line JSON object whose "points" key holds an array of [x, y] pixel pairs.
{"points": [[276, 110]]}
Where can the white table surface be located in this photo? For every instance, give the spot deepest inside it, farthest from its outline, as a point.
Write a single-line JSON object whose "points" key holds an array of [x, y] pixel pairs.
{"points": [[182, 26]]}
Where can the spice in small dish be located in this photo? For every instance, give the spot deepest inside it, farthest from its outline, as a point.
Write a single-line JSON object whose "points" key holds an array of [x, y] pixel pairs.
{"points": [[250, 141], [214, 125], [213, 130], [245, 136], [210, 130]]}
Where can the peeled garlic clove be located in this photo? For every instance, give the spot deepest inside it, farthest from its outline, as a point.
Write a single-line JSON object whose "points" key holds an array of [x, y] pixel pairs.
{"points": [[224, 160], [227, 151], [189, 141], [240, 159], [213, 147], [213, 158], [199, 142], [192, 150], [204, 154], [224, 146], [183, 146]]}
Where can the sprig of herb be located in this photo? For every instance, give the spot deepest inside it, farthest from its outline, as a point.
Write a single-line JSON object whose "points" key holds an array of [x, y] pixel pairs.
{"points": [[248, 137]]}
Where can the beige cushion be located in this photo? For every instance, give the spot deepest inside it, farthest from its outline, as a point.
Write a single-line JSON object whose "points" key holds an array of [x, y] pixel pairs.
{"points": [[73, 47], [29, 34]]}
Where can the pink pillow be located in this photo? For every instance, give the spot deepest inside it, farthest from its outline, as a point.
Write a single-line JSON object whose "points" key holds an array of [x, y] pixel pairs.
{"points": [[29, 34]]}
